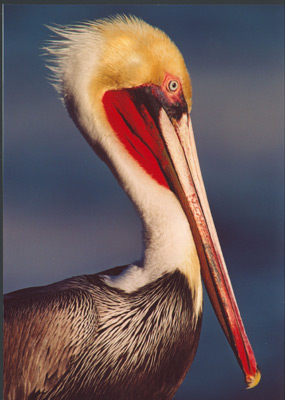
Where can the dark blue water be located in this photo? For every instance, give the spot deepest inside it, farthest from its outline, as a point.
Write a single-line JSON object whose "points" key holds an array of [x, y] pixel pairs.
{"points": [[65, 215]]}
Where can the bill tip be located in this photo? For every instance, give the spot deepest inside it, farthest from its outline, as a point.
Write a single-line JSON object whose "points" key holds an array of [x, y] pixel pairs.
{"points": [[253, 380]]}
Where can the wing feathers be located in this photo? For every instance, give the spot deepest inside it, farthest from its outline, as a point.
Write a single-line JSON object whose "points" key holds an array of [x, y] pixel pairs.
{"points": [[44, 330]]}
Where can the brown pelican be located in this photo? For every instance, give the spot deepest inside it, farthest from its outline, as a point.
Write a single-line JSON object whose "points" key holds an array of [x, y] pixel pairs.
{"points": [[130, 332]]}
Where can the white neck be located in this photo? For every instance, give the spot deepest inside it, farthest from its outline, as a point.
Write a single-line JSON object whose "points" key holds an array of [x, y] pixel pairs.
{"points": [[168, 241]]}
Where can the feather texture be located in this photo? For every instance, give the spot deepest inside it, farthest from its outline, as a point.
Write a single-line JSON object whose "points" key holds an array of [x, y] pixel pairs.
{"points": [[110, 344]]}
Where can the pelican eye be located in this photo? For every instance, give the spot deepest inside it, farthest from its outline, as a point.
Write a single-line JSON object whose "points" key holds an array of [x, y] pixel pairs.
{"points": [[173, 86]]}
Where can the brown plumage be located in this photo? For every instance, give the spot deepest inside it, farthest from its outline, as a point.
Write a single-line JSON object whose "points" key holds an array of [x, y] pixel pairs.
{"points": [[81, 339]]}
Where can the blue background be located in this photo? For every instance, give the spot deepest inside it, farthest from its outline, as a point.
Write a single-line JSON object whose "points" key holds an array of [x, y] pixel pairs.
{"points": [[65, 215]]}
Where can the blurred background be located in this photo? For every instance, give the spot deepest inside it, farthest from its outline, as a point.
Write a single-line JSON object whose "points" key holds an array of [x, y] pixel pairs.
{"points": [[65, 215]]}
